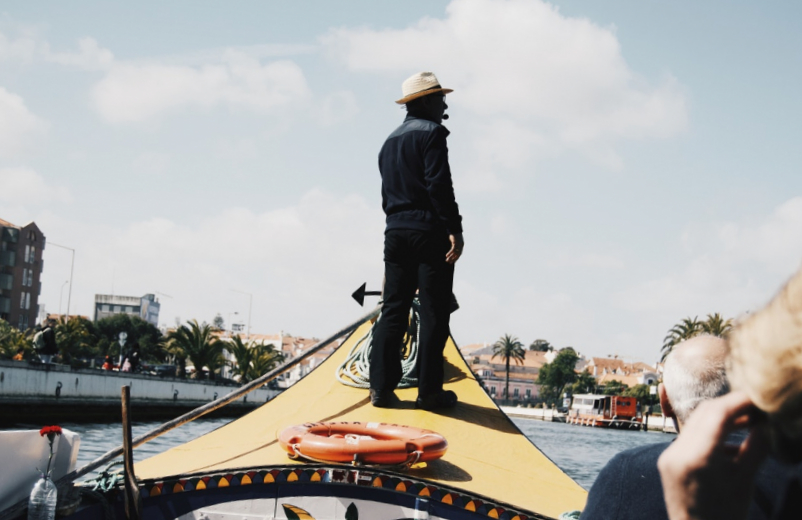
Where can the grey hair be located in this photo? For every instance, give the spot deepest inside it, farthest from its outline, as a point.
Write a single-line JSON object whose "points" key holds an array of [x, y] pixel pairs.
{"points": [[690, 378]]}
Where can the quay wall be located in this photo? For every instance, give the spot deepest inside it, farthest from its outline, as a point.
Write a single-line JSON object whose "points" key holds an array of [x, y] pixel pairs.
{"points": [[28, 391]]}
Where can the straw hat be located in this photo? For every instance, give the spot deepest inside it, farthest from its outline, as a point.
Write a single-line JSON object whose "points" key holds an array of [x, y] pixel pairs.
{"points": [[419, 85]]}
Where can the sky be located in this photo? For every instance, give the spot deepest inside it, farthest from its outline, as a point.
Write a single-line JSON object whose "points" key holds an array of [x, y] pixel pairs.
{"points": [[619, 166]]}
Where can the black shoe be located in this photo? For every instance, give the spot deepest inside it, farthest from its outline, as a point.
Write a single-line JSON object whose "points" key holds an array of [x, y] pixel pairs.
{"points": [[443, 399], [383, 398]]}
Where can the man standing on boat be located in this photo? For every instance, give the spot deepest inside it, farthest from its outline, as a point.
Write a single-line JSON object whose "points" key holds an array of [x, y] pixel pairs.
{"points": [[422, 241]]}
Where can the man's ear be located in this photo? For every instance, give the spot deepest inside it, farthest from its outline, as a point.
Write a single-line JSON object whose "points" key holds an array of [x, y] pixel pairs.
{"points": [[665, 404]]}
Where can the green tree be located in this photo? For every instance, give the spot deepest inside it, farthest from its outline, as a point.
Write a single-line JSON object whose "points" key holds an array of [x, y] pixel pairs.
{"points": [[149, 338], [585, 383], [76, 339], [555, 376], [613, 387], [198, 344], [716, 325], [686, 329], [218, 322], [251, 360], [265, 361], [12, 339], [540, 345], [508, 347]]}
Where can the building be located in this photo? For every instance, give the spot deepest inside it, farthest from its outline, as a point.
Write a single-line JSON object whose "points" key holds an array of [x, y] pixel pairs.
{"points": [[493, 373], [145, 307], [630, 374], [20, 273]]}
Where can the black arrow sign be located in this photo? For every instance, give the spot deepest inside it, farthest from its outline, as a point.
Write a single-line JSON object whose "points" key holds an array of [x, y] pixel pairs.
{"points": [[359, 294]]}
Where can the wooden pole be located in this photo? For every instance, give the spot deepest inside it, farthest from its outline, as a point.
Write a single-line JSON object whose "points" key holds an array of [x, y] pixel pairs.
{"points": [[133, 500]]}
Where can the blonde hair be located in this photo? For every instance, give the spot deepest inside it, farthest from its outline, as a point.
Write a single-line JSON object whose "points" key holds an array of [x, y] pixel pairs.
{"points": [[765, 358]]}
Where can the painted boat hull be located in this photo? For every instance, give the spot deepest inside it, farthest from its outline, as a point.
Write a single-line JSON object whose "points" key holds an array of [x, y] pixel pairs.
{"points": [[322, 492]]}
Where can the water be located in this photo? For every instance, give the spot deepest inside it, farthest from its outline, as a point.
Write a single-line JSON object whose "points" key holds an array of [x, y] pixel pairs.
{"points": [[580, 451]]}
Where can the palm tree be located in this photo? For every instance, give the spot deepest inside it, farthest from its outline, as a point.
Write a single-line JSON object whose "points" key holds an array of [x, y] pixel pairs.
{"points": [[716, 325], [248, 356], [508, 347], [686, 329], [265, 361], [197, 343]]}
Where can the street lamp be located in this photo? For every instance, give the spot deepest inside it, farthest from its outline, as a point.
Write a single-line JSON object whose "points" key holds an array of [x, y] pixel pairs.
{"points": [[60, 296], [72, 265], [250, 306]]}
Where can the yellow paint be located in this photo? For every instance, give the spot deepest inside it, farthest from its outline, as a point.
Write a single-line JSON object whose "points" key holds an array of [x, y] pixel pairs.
{"points": [[245, 480], [447, 499], [178, 488], [493, 513], [315, 477], [471, 506], [200, 485], [486, 451], [424, 492], [302, 514], [401, 487], [268, 479], [292, 477], [222, 482]]}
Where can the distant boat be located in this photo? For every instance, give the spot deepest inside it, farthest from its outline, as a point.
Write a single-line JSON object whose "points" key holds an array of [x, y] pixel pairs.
{"points": [[606, 411]]}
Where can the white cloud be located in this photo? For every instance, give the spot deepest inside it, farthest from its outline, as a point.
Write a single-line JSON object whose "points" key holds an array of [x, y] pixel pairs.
{"points": [[301, 261], [90, 55], [731, 267], [338, 107], [18, 126], [562, 81], [24, 186], [133, 92]]}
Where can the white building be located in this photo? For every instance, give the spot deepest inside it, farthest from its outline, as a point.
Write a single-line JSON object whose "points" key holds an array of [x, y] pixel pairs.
{"points": [[145, 307]]}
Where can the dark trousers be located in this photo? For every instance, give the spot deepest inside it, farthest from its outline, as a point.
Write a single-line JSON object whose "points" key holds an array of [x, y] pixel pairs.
{"points": [[413, 260]]}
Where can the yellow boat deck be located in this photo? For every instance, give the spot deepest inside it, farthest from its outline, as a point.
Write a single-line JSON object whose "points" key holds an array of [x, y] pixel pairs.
{"points": [[487, 454]]}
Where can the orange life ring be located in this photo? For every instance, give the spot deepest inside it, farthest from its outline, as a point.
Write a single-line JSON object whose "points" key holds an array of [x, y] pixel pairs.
{"points": [[366, 443]]}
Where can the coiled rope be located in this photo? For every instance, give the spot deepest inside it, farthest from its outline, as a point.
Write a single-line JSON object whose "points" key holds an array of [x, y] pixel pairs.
{"points": [[355, 370]]}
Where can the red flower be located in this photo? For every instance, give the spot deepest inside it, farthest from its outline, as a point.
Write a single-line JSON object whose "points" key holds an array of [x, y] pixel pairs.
{"points": [[50, 431]]}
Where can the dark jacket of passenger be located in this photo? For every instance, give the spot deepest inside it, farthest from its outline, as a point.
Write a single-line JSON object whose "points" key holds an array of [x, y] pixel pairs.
{"points": [[50, 348], [417, 192], [629, 488]]}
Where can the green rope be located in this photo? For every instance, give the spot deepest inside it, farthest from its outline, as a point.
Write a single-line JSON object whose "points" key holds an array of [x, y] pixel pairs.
{"points": [[107, 480], [355, 370]]}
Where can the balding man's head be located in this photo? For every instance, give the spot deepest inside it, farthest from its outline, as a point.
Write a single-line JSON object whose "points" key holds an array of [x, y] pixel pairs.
{"points": [[695, 372]]}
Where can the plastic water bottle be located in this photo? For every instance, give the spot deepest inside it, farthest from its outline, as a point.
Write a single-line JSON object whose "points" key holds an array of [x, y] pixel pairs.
{"points": [[42, 504], [421, 509]]}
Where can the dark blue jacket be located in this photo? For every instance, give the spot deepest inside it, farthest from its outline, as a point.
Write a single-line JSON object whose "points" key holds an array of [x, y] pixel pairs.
{"points": [[417, 192], [629, 488]]}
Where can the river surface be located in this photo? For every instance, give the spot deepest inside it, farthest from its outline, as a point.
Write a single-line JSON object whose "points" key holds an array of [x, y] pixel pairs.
{"points": [[580, 451]]}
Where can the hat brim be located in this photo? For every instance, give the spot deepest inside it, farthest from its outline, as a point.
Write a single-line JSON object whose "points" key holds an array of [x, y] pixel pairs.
{"points": [[416, 95]]}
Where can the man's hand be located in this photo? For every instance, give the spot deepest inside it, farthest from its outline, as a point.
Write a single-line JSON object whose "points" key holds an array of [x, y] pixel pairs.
{"points": [[704, 477], [457, 244]]}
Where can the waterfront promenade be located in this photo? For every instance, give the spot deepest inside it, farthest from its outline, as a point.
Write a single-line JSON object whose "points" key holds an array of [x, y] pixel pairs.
{"points": [[36, 393]]}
